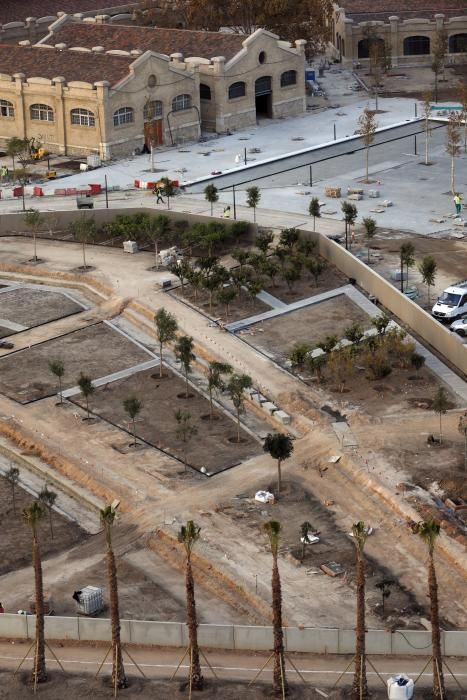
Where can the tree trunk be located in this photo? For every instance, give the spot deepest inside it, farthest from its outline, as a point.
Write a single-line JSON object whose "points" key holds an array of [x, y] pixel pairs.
{"points": [[367, 159], [314, 223], [87, 407], [118, 672], [428, 293], [426, 143], [452, 177], [156, 248], [359, 687], [279, 679], [440, 431], [211, 409], [254, 215], [238, 424], [438, 679], [402, 275], [51, 524], [84, 255], [160, 360], [39, 674], [134, 432], [279, 477], [368, 253], [436, 87], [211, 207], [186, 383], [35, 246], [197, 680], [60, 389]]}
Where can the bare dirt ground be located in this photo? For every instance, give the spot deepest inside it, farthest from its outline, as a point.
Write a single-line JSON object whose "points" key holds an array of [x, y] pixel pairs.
{"points": [[277, 336], [242, 307], [97, 350], [306, 287], [214, 446], [416, 81], [31, 307], [16, 535]]}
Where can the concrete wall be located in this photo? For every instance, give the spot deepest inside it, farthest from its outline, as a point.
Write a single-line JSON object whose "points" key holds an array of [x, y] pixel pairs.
{"points": [[174, 634], [431, 331]]}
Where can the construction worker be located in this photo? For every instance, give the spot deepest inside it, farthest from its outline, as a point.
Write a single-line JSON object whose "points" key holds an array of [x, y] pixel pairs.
{"points": [[457, 202], [226, 213], [2, 609], [158, 193]]}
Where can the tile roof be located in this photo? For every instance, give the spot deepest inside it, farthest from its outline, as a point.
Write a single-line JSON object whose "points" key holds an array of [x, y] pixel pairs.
{"points": [[18, 10], [50, 63], [165, 41], [362, 10]]}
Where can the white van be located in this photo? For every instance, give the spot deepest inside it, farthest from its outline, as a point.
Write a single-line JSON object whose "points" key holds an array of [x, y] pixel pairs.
{"points": [[452, 303]]}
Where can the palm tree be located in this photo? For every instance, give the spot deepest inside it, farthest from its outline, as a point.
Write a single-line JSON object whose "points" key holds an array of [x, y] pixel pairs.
{"points": [[33, 220], [360, 686], [370, 232], [253, 195], [440, 405], [184, 353], [236, 386], [48, 497], [87, 389], [280, 447], [133, 407], [216, 381], [32, 517], [166, 330], [429, 531], [350, 216], [185, 430], [58, 369], [427, 269], [108, 517], [12, 476], [211, 195], [156, 229], [314, 210], [83, 230], [273, 530], [188, 536]]}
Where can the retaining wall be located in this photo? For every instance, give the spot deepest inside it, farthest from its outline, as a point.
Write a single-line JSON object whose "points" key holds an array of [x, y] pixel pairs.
{"points": [[422, 323], [320, 640]]}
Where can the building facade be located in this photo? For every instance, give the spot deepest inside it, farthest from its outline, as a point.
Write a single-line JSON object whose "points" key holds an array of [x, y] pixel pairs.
{"points": [[408, 33], [93, 87]]}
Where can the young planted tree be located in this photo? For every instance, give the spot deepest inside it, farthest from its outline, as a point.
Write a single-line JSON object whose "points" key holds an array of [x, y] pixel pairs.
{"points": [[305, 529], [263, 240], [108, 516], [341, 364], [426, 123], [381, 323], [350, 216], [385, 587], [185, 430], [280, 447], [367, 128], [12, 476], [182, 270], [369, 225], [184, 353], [298, 354], [87, 389], [58, 370], [314, 210], [32, 517], [226, 296], [439, 48], [216, 372], [188, 536], [166, 330], [453, 146], [360, 686], [407, 258], [427, 269], [273, 530], [133, 408], [463, 101], [429, 531], [462, 427], [238, 383], [440, 405], [289, 239], [48, 497], [211, 195], [253, 196], [156, 229], [14, 146], [83, 230], [34, 221], [168, 190], [354, 333]]}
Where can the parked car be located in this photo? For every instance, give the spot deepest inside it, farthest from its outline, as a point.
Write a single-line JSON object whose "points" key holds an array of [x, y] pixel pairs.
{"points": [[452, 303], [460, 327]]}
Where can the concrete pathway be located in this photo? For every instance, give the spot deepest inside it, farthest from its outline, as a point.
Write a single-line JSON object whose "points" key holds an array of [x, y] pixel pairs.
{"points": [[12, 326], [68, 393], [272, 301]]}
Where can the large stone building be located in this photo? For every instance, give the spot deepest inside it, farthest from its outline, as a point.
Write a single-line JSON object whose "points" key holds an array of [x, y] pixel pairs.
{"points": [[93, 87], [407, 27]]}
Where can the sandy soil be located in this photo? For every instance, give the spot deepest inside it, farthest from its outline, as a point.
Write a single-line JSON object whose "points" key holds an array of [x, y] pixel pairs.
{"points": [[214, 446], [31, 307], [306, 287], [16, 536], [25, 376], [242, 307], [415, 81], [277, 336]]}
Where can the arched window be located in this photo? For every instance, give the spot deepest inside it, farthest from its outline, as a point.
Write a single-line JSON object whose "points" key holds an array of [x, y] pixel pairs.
{"points": [[152, 110], [82, 117], [124, 115], [181, 102], [42, 113], [204, 92], [416, 46], [6, 109], [289, 78], [237, 90], [458, 43]]}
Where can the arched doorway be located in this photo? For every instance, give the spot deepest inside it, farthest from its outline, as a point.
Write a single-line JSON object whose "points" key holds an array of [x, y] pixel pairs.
{"points": [[263, 96], [152, 114], [458, 43]]}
